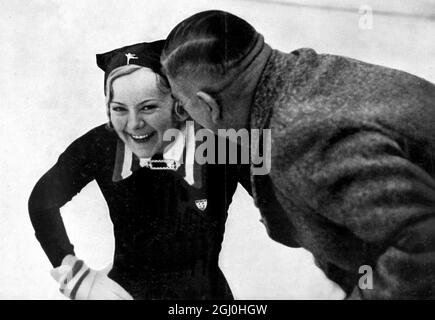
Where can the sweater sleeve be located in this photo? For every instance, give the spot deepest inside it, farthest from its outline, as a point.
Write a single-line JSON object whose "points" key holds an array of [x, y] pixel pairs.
{"points": [[375, 186], [73, 170]]}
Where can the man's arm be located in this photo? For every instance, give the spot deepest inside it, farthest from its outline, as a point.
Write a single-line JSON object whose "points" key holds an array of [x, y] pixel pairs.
{"points": [[365, 181]]}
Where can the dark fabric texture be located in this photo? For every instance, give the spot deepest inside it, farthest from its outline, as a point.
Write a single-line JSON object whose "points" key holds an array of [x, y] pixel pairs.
{"points": [[165, 246], [352, 172]]}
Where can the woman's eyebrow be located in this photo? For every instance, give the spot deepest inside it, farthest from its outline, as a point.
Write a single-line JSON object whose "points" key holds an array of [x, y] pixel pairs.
{"points": [[145, 101], [140, 103], [120, 103]]}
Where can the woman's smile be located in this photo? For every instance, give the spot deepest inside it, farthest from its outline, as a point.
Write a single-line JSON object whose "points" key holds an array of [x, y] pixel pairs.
{"points": [[142, 137]]}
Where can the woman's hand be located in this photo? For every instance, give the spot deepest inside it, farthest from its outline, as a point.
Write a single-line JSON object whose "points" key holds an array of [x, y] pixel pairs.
{"points": [[79, 282]]}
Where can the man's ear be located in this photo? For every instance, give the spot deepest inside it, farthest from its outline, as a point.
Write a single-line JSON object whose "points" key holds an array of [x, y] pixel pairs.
{"points": [[211, 104], [180, 112]]}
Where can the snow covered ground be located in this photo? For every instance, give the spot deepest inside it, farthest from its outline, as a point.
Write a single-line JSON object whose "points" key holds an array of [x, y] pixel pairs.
{"points": [[51, 92]]}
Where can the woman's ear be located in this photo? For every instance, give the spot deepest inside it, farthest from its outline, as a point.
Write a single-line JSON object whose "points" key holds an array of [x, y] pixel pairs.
{"points": [[212, 105]]}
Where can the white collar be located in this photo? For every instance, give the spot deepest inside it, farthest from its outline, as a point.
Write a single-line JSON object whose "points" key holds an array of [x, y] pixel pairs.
{"points": [[185, 139]]}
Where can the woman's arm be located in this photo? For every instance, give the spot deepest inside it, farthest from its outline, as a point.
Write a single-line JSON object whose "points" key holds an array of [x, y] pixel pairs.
{"points": [[73, 170]]}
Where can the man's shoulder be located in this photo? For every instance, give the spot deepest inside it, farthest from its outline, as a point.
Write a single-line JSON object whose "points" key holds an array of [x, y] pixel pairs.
{"points": [[332, 92], [331, 69], [357, 78]]}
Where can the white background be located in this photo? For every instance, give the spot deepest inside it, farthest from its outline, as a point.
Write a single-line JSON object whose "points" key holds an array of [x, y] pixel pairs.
{"points": [[51, 92]]}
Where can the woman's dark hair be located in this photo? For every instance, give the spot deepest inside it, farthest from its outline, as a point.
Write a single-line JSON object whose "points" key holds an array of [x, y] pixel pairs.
{"points": [[209, 42]]}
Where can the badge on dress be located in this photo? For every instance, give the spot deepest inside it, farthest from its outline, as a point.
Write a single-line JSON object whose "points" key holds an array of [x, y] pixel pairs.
{"points": [[201, 204]]}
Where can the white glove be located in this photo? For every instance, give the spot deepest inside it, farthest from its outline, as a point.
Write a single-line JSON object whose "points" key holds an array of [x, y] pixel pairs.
{"points": [[79, 282]]}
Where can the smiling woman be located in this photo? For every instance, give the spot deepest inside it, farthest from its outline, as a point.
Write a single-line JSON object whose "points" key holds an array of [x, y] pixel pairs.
{"points": [[140, 111], [168, 225]]}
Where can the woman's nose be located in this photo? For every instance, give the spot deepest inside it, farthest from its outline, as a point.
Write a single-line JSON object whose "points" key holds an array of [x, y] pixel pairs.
{"points": [[135, 121]]}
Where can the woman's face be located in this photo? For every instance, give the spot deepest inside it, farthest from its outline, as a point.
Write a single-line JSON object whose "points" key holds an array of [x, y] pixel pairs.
{"points": [[140, 112]]}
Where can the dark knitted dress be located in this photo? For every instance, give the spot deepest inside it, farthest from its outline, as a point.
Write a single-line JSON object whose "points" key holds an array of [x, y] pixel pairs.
{"points": [[166, 247]]}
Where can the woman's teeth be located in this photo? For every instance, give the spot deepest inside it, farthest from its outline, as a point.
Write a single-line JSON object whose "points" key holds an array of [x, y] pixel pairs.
{"points": [[141, 137]]}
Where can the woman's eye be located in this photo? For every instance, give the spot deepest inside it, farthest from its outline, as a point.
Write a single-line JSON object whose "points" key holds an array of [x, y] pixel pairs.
{"points": [[119, 109], [148, 107]]}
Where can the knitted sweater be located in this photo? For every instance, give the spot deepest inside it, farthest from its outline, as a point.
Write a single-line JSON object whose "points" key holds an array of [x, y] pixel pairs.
{"points": [[352, 170]]}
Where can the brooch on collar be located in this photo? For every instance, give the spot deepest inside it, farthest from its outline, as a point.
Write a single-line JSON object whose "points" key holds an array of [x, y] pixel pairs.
{"points": [[165, 164]]}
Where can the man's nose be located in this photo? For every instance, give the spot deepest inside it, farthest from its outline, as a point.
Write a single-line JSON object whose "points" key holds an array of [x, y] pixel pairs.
{"points": [[135, 121]]}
